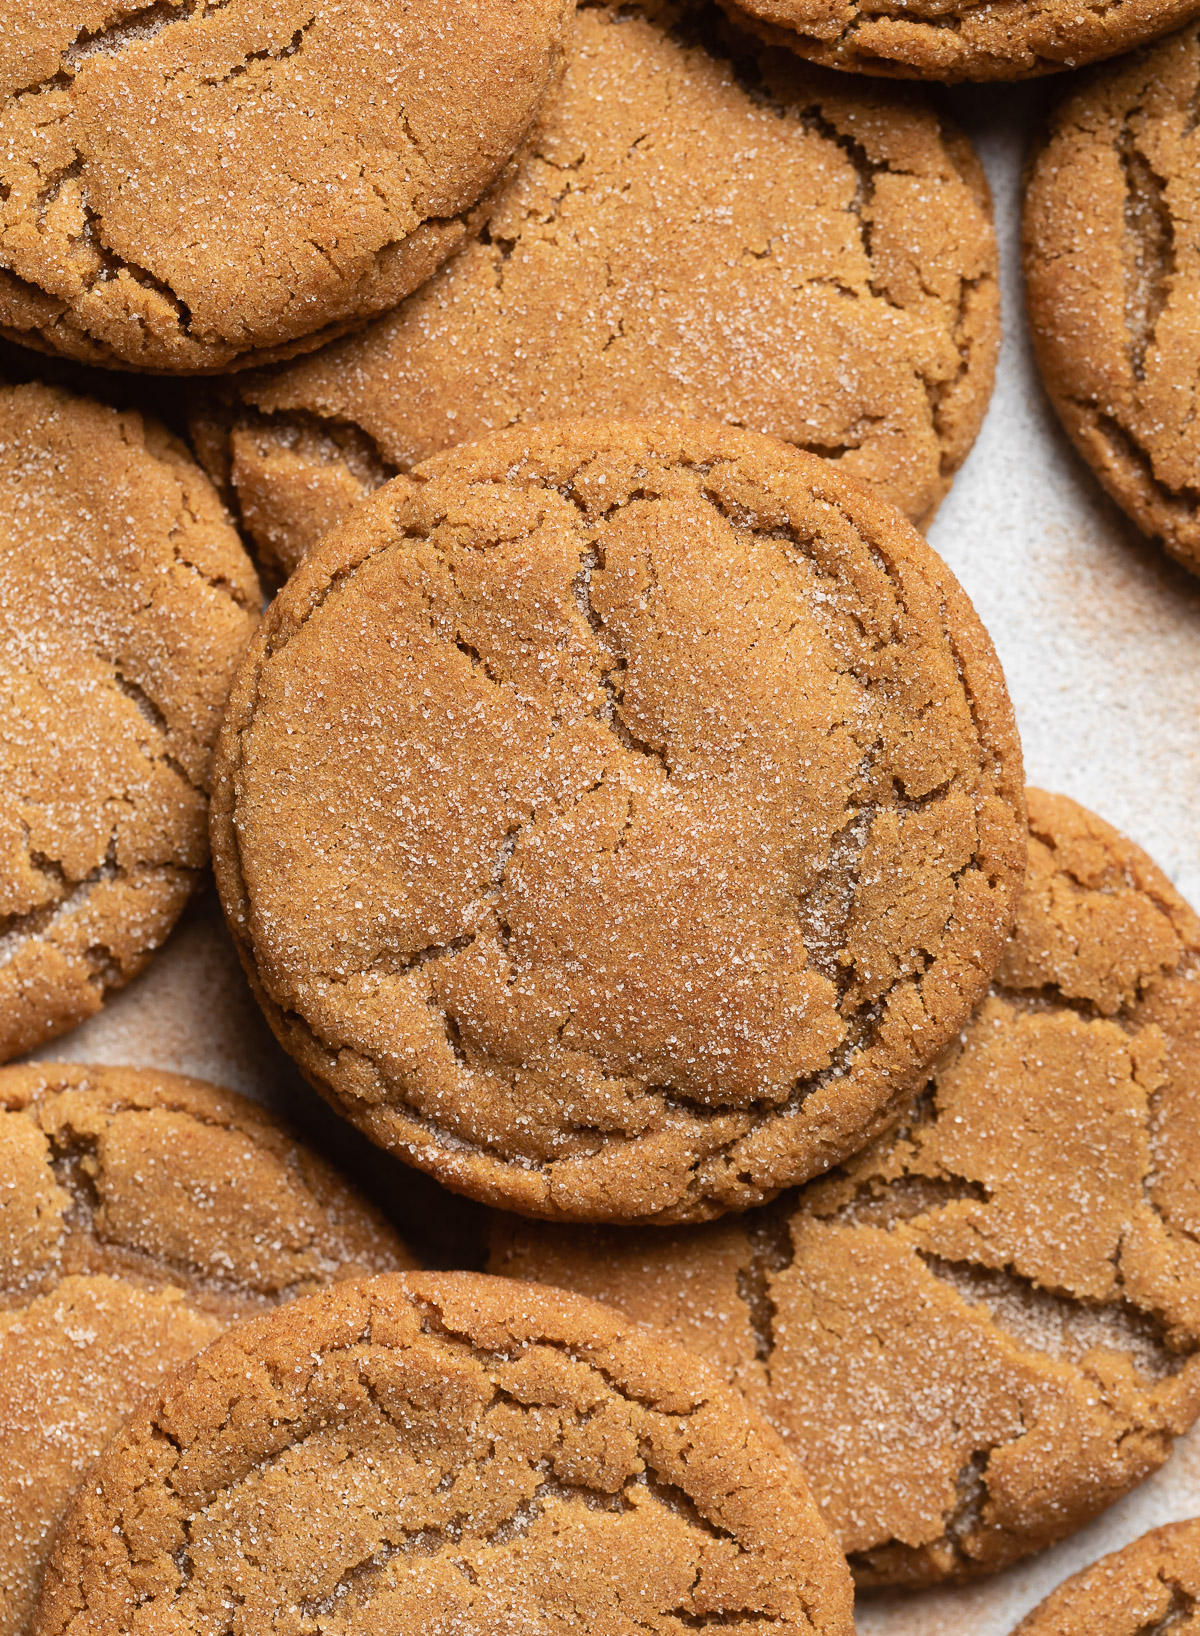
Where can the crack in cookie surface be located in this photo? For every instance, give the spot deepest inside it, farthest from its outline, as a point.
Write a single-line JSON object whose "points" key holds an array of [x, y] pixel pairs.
{"points": [[142, 1213], [467, 1453], [1110, 307], [986, 1326], [734, 237], [678, 727], [169, 202]]}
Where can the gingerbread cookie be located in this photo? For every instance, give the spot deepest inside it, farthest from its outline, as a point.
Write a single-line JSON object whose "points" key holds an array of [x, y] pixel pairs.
{"points": [[962, 39], [984, 1329], [1150, 1588], [699, 227], [140, 1213], [615, 817], [446, 1453], [1112, 269], [125, 603], [189, 187]]}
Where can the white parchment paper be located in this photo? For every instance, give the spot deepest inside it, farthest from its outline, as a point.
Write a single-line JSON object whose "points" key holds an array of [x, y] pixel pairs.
{"points": [[1100, 638]]}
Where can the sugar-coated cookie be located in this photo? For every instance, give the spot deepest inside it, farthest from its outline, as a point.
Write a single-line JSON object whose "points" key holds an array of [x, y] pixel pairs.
{"points": [[126, 600], [1151, 1588], [140, 1213], [961, 39], [615, 818], [188, 187], [985, 1328], [700, 226], [1112, 270], [443, 1455]]}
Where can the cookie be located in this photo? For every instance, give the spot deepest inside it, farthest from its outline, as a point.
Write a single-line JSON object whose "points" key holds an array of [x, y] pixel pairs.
{"points": [[984, 1329], [615, 817], [188, 187], [140, 1214], [126, 600], [700, 227], [961, 40], [1111, 252], [446, 1453], [1150, 1588]]}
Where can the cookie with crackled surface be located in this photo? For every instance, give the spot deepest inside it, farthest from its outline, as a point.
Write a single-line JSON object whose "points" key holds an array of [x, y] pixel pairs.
{"points": [[188, 187], [126, 600], [700, 226], [985, 1328], [953, 40], [446, 1455], [615, 818], [140, 1214], [1112, 270], [1151, 1588]]}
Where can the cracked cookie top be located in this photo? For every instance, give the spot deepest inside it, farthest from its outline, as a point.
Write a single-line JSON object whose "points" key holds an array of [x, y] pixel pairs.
{"points": [[186, 185], [952, 40], [616, 817], [140, 1213], [699, 227], [126, 600], [985, 1328], [445, 1453], [1151, 1588], [1112, 270]]}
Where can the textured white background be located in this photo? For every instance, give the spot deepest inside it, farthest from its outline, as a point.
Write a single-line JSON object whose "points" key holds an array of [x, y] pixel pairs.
{"points": [[1100, 639]]}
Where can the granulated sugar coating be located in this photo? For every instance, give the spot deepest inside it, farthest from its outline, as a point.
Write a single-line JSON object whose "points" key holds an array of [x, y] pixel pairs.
{"points": [[616, 818], [1111, 247], [701, 227], [445, 1455], [186, 184], [1151, 1588], [984, 1329], [140, 1213], [953, 40], [125, 603]]}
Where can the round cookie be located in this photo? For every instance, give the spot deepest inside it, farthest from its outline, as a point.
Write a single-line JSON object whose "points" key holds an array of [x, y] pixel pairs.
{"points": [[615, 817], [188, 187], [1150, 1588], [140, 1213], [700, 227], [953, 40], [1112, 271], [446, 1453], [126, 600], [985, 1328]]}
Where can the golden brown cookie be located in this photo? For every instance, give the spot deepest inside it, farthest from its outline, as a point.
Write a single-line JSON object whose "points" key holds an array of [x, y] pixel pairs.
{"points": [[1151, 1588], [443, 1455], [952, 40], [699, 227], [616, 817], [125, 603], [140, 1213], [188, 185], [1112, 270], [984, 1329]]}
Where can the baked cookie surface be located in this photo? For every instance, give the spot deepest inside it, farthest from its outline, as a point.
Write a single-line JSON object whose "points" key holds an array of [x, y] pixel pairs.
{"points": [[126, 600], [615, 817], [446, 1453], [186, 186], [1112, 271], [961, 40], [1151, 1588], [985, 1328], [140, 1213], [700, 227]]}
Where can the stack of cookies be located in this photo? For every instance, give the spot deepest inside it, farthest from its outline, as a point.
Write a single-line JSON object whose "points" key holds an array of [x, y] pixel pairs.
{"points": [[463, 470]]}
